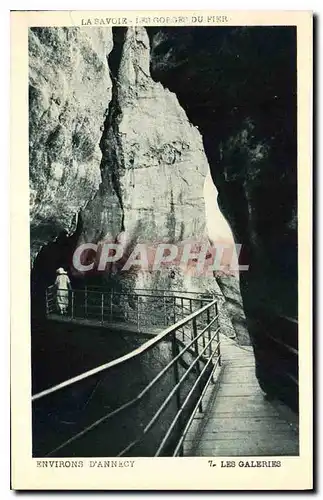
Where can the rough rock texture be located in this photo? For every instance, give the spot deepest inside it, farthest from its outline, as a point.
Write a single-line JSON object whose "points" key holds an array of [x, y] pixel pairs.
{"points": [[113, 157], [238, 85], [69, 91]]}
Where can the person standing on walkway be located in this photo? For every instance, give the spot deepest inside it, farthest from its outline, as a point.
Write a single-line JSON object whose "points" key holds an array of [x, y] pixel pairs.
{"points": [[63, 285]]}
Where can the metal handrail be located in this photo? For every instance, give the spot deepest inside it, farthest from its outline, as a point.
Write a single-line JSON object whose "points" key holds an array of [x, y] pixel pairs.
{"points": [[168, 333], [131, 294], [139, 397]]}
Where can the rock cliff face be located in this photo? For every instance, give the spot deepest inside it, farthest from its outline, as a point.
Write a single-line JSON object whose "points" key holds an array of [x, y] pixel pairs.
{"points": [[153, 171], [69, 91], [238, 85], [113, 157]]}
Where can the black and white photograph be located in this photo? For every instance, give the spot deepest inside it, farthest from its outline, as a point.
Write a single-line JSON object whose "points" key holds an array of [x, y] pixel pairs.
{"points": [[164, 241]]}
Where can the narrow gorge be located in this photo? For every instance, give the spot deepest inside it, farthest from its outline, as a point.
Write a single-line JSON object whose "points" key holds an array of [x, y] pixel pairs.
{"points": [[129, 130]]}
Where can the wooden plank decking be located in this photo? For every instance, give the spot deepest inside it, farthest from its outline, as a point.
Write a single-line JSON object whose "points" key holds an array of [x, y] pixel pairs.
{"points": [[237, 419]]}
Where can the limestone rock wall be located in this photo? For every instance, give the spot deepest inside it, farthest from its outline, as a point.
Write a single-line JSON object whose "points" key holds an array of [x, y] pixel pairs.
{"points": [[239, 86], [113, 157]]}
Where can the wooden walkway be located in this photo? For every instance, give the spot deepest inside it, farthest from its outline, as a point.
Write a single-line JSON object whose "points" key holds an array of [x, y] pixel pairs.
{"points": [[119, 326], [237, 419]]}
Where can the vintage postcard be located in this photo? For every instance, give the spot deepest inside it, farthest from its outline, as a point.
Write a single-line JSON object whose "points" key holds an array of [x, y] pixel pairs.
{"points": [[161, 272]]}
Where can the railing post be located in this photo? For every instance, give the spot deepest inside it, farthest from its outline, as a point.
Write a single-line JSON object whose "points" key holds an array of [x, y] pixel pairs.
{"points": [[174, 310], [85, 301], [191, 310], [138, 314], [72, 308], [202, 323], [209, 331], [175, 352], [102, 308], [191, 323], [125, 306], [197, 355]]}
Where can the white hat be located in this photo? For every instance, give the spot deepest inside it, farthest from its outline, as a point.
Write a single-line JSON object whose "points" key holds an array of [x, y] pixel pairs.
{"points": [[60, 270]]}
